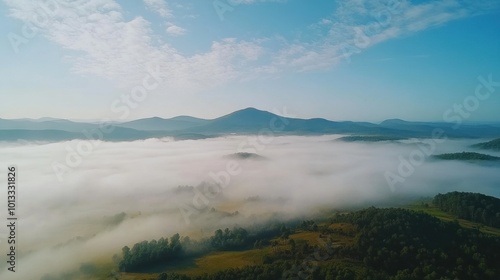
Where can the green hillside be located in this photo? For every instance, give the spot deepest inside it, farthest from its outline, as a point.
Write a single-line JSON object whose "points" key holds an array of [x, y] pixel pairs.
{"points": [[430, 239], [468, 156], [491, 145]]}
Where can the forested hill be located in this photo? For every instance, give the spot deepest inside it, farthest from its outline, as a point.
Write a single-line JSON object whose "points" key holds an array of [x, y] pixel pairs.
{"points": [[374, 243], [471, 206], [491, 145], [468, 156]]}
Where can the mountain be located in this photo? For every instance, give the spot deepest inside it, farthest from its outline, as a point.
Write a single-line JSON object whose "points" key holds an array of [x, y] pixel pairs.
{"points": [[245, 121], [159, 124], [251, 120], [450, 129], [117, 134], [36, 135], [46, 124]]}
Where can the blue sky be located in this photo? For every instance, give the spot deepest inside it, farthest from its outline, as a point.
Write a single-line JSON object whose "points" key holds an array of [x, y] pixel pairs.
{"points": [[363, 60]]}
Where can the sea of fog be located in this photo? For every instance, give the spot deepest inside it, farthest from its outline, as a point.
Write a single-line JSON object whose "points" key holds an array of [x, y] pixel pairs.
{"points": [[84, 207]]}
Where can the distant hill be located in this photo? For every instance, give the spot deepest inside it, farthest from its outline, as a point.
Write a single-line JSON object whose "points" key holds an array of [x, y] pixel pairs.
{"points": [[159, 124], [491, 145], [248, 120], [470, 156], [45, 124], [251, 120], [245, 121], [118, 134], [37, 135], [426, 128], [370, 138], [245, 156]]}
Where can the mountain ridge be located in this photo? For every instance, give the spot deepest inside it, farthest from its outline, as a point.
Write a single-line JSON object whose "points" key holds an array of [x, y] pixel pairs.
{"points": [[245, 121]]}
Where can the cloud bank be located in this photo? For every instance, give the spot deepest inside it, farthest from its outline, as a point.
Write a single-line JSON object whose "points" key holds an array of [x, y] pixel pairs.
{"points": [[127, 192]]}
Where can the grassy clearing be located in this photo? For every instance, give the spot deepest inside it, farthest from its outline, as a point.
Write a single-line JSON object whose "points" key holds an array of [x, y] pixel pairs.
{"points": [[310, 237], [218, 261], [438, 213]]}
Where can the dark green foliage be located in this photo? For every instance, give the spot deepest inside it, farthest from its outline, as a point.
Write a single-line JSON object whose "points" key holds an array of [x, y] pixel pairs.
{"points": [[471, 206], [409, 245], [172, 276], [491, 145], [308, 225], [149, 253], [146, 253], [466, 156], [230, 239], [394, 244], [283, 270]]}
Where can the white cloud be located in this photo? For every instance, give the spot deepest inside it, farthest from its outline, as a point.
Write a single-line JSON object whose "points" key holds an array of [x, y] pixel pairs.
{"points": [[325, 21], [175, 30], [158, 6], [109, 46], [360, 24], [103, 43]]}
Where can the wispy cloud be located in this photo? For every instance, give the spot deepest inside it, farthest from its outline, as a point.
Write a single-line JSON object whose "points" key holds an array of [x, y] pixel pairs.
{"points": [[175, 30], [109, 46], [358, 25], [158, 6], [103, 43]]}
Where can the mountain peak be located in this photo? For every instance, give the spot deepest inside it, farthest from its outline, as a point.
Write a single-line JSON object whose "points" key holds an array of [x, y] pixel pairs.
{"points": [[394, 121], [155, 119], [249, 113], [249, 110]]}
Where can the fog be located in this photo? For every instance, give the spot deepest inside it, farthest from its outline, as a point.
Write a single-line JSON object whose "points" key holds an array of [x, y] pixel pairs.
{"points": [[125, 192]]}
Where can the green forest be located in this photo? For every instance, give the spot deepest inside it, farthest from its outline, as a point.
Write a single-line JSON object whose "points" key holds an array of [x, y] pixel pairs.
{"points": [[471, 206], [373, 243]]}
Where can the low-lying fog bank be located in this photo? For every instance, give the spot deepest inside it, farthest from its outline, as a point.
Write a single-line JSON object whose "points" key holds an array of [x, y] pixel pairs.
{"points": [[77, 208]]}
